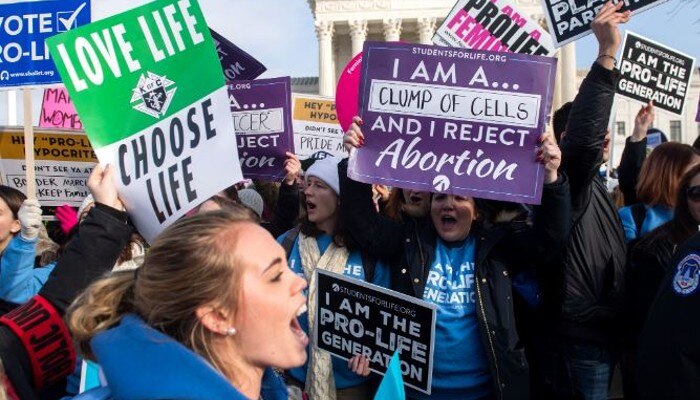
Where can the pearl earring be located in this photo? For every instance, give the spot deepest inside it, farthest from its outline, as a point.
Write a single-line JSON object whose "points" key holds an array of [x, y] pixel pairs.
{"points": [[230, 331]]}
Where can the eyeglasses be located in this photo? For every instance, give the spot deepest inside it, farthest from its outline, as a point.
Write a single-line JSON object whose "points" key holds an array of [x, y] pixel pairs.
{"points": [[693, 193]]}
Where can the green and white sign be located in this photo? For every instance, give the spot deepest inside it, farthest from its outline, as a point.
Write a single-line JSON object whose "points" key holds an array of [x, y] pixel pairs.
{"points": [[149, 89]]}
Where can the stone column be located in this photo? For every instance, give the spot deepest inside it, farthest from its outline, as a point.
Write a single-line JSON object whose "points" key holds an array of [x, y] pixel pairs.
{"points": [[426, 30], [568, 72], [326, 75], [556, 96], [392, 29], [358, 35]]}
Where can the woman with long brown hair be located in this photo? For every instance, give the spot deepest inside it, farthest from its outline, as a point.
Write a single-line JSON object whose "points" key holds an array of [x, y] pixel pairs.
{"points": [[204, 317]]}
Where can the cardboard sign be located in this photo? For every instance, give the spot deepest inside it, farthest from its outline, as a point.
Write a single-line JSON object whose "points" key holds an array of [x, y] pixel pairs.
{"points": [[651, 71], [317, 133], [355, 317], [456, 121], [571, 19], [57, 111], [24, 27], [164, 125], [236, 63], [495, 25], [262, 119], [63, 163]]}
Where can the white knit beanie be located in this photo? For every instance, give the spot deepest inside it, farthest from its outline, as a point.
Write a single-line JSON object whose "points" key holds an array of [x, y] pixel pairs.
{"points": [[326, 169], [252, 199]]}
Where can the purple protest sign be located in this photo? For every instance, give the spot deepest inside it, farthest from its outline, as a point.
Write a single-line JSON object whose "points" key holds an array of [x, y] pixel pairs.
{"points": [[456, 121], [236, 63], [262, 118]]}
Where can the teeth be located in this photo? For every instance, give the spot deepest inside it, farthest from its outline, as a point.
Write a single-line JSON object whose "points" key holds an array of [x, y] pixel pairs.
{"points": [[302, 310]]}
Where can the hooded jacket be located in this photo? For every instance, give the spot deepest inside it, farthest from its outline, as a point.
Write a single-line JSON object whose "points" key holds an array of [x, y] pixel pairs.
{"points": [[501, 250], [142, 363]]}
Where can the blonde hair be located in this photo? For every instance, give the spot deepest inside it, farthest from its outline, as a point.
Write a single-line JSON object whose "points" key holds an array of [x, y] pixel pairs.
{"points": [[181, 272]]}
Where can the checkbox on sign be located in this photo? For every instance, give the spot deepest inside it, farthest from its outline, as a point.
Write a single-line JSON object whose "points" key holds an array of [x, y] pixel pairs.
{"points": [[67, 20]]}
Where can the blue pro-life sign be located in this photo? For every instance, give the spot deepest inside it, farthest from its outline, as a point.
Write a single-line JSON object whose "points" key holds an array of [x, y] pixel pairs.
{"points": [[24, 27]]}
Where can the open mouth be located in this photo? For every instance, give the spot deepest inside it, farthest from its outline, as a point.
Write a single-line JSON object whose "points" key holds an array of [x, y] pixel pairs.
{"points": [[415, 199], [448, 222], [296, 328], [310, 206]]}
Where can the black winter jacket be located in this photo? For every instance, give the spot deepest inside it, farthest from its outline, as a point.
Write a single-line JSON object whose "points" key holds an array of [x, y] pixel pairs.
{"points": [[91, 254], [286, 210], [586, 291], [669, 350], [633, 157], [501, 251], [648, 263]]}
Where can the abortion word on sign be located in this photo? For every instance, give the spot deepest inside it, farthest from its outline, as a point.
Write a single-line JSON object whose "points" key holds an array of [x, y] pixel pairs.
{"points": [[262, 119], [653, 72], [57, 111], [456, 121], [355, 317], [24, 27], [317, 133], [236, 63], [571, 19], [63, 162], [165, 126], [495, 25]]}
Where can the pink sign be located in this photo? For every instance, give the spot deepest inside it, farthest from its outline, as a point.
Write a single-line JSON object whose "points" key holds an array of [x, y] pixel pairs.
{"points": [[57, 111], [347, 94]]}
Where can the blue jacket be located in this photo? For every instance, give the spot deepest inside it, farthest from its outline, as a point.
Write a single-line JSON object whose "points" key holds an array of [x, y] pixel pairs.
{"points": [[141, 363], [654, 217], [19, 280]]}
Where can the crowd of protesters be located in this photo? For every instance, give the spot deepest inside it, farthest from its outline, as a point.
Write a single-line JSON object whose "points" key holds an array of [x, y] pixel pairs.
{"points": [[216, 308]]}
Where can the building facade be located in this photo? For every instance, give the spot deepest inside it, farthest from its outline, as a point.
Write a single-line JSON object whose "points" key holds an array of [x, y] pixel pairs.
{"points": [[342, 27]]}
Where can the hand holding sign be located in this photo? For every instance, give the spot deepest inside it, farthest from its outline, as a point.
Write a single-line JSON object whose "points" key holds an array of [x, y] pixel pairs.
{"points": [[353, 137], [549, 155], [292, 167], [606, 31], [102, 187], [642, 121]]}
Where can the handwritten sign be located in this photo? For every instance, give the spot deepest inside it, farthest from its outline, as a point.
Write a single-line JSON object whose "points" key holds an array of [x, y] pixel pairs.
{"points": [[355, 317], [236, 63], [261, 111], [317, 133], [456, 121], [651, 71], [571, 19], [57, 111], [24, 27], [168, 130], [63, 163], [495, 25]]}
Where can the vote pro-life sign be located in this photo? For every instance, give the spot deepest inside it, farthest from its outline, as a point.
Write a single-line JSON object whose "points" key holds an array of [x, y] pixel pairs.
{"points": [[494, 25], [455, 121], [569, 20], [24, 27], [652, 71], [159, 117], [262, 117], [355, 317]]}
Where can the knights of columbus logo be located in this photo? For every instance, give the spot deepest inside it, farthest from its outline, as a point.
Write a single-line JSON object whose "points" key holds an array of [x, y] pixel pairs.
{"points": [[153, 94]]}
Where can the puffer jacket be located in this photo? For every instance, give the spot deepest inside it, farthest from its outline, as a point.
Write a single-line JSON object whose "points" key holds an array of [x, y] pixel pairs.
{"points": [[502, 251], [584, 293]]}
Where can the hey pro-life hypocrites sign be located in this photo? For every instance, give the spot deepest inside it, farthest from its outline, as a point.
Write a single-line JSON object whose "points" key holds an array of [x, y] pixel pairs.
{"points": [[151, 95]]}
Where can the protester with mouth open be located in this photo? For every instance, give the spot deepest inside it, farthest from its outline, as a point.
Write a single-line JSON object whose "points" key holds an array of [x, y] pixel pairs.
{"points": [[464, 268], [203, 318], [321, 241]]}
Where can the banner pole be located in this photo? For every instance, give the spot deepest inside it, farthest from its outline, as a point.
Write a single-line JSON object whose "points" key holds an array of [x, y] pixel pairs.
{"points": [[29, 143]]}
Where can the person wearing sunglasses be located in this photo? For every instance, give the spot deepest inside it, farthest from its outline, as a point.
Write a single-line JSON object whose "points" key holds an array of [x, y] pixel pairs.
{"points": [[650, 259]]}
